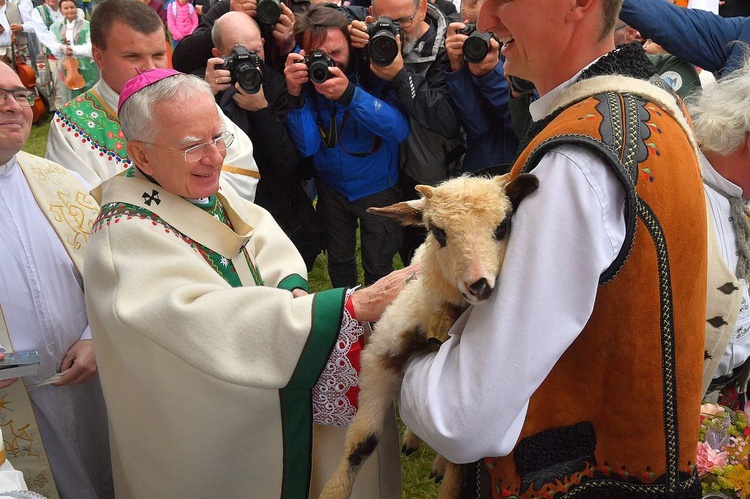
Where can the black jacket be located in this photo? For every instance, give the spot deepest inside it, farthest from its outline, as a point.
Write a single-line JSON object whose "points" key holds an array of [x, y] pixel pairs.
{"points": [[434, 148], [279, 188], [194, 50]]}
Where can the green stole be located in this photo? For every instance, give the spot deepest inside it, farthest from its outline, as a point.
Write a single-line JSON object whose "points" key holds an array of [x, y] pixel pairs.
{"points": [[224, 247], [71, 212]]}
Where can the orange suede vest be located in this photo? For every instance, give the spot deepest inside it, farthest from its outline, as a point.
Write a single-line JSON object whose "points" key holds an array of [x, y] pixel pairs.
{"points": [[618, 415]]}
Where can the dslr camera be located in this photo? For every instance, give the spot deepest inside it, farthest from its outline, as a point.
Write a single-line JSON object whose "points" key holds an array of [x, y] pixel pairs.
{"points": [[520, 85], [246, 68], [318, 63], [383, 48], [268, 12], [477, 46]]}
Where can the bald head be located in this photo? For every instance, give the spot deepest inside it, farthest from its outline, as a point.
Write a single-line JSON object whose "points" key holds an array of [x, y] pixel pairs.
{"points": [[236, 28]]}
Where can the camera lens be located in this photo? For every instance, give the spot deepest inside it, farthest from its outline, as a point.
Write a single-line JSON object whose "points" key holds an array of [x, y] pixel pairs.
{"points": [[476, 47], [249, 77], [318, 71], [268, 11], [382, 48]]}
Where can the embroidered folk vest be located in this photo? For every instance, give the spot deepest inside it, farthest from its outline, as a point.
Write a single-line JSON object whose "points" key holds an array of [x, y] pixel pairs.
{"points": [[618, 415]]}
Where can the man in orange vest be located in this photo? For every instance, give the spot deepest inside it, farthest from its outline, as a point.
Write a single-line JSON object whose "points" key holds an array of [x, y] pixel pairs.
{"points": [[594, 339]]}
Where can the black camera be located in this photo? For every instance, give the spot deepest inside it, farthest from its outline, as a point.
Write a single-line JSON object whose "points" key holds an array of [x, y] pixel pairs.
{"points": [[382, 47], [268, 11], [318, 63], [477, 46], [246, 68], [520, 85]]}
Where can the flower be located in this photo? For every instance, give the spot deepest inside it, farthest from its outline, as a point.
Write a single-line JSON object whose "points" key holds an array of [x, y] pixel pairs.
{"points": [[723, 449], [709, 458]]}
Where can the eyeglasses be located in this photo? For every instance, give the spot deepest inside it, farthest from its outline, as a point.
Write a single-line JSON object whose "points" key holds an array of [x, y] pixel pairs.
{"points": [[621, 26], [200, 151], [406, 22], [24, 98]]}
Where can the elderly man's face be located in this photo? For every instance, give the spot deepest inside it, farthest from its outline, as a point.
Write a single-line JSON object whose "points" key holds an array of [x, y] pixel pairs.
{"points": [[408, 15], [128, 53], [180, 127], [534, 36], [15, 119]]}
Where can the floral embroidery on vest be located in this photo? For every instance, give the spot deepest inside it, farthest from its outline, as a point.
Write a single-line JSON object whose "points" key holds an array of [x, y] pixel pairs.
{"points": [[87, 118]]}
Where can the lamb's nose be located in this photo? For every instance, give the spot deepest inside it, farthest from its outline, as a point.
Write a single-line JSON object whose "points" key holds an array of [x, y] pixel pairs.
{"points": [[481, 289]]}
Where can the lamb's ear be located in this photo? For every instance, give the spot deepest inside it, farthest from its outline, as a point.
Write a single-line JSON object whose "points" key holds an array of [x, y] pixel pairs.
{"points": [[425, 190], [521, 186], [406, 212], [501, 180]]}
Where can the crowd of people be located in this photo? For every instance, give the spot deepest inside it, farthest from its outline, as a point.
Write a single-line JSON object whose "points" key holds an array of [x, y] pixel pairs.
{"points": [[202, 155]]}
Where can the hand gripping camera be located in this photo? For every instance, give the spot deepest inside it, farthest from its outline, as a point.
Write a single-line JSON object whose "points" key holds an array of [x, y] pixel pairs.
{"points": [[268, 12], [246, 68], [383, 48], [318, 63], [477, 46]]}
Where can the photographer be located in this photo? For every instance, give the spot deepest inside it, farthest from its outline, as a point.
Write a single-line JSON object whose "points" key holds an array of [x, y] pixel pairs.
{"points": [[253, 95], [416, 74], [353, 138], [194, 50], [480, 92]]}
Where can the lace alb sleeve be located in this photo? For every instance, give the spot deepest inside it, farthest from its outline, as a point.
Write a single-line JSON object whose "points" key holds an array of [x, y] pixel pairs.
{"points": [[334, 396]]}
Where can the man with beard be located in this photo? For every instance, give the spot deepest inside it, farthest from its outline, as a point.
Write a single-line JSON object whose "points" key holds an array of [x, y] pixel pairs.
{"points": [[353, 137], [433, 150]]}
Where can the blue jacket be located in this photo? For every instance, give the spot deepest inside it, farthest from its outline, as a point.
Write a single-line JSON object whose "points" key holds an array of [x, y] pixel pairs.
{"points": [[483, 106], [364, 160], [698, 36]]}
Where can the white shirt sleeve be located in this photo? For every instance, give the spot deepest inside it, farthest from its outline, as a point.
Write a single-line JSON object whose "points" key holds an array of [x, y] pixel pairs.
{"points": [[45, 36], [469, 399], [25, 7]]}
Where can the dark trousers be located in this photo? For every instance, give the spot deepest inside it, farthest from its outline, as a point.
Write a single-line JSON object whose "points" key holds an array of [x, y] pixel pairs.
{"points": [[380, 237]]}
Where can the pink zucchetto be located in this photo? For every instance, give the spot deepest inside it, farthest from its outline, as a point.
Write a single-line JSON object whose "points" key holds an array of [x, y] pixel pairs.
{"points": [[142, 81]]}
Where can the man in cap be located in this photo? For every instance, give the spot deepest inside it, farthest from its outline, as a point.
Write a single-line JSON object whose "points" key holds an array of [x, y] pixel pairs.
{"points": [[127, 37], [209, 345]]}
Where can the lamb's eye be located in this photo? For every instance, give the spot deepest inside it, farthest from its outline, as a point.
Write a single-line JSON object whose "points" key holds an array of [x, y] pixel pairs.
{"points": [[502, 230], [439, 235]]}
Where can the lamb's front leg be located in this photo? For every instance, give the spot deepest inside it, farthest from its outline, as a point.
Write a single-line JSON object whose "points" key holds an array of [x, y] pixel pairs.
{"points": [[378, 386], [380, 377]]}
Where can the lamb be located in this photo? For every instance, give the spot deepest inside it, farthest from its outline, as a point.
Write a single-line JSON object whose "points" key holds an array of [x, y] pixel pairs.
{"points": [[468, 220]]}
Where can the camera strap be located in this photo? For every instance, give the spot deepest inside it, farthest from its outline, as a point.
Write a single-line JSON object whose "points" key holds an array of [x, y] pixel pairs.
{"points": [[331, 137]]}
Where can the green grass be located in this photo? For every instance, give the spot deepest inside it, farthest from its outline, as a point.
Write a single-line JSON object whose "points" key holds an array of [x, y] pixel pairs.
{"points": [[415, 469]]}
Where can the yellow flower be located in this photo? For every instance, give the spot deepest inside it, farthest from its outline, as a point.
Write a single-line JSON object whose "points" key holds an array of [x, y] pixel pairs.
{"points": [[739, 477]]}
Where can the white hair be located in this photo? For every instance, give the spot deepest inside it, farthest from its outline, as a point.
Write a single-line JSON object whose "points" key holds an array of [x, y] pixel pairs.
{"points": [[136, 117], [721, 111]]}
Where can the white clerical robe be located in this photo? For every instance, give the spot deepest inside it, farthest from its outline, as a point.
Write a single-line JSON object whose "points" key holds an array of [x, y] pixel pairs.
{"points": [[207, 360], [42, 298], [85, 136]]}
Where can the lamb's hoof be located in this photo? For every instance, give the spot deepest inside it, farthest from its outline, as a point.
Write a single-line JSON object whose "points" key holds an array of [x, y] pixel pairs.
{"points": [[439, 466], [410, 442], [407, 451]]}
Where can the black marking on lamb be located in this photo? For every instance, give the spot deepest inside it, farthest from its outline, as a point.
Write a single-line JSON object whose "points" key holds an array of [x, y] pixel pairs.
{"points": [[364, 449], [413, 342]]}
